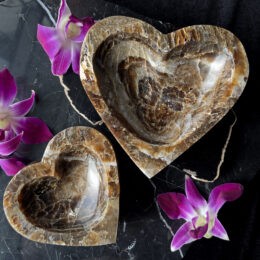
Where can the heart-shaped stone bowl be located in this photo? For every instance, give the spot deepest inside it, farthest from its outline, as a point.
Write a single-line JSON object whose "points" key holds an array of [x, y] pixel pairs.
{"points": [[72, 196], [159, 93]]}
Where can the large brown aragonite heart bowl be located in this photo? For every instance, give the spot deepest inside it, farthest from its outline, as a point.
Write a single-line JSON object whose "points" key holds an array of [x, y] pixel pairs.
{"points": [[159, 93], [71, 197]]}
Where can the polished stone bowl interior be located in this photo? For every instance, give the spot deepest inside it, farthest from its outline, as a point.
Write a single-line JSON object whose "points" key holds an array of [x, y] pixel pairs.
{"points": [[73, 198], [155, 93]]}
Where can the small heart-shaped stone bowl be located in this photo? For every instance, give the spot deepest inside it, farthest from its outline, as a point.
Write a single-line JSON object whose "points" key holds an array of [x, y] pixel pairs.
{"points": [[72, 196], [160, 93]]}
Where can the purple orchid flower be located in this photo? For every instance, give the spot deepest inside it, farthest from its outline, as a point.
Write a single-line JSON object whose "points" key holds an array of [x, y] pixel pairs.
{"points": [[63, 43], [14, 126], [8, 145], [201, 217]]}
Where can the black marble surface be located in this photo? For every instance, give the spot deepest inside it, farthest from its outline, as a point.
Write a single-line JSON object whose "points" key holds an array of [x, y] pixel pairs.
{"points": [[141, 232]]}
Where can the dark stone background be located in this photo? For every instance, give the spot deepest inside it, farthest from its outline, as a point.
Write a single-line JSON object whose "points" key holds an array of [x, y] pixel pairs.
{"points": [[141, 233]]}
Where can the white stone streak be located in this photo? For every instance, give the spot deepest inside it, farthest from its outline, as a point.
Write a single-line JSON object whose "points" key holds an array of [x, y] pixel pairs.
{"points": [[222, 157], [45, 8], [66, 92], [93, 175], [92, 189], [215, 69]]}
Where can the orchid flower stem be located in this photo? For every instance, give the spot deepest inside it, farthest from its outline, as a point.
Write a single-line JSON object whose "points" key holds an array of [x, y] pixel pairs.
{"points": [[222, 158], [45, 8], [66, 91], [160, 214]]}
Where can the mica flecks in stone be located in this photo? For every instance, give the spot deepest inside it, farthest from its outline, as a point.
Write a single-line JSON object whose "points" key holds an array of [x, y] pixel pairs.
{"points": [[160, 93], [72, 196]]}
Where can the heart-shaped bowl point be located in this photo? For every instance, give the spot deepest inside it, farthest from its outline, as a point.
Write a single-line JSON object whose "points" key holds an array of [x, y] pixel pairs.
{"points": [[71, 197], [159, 93]]}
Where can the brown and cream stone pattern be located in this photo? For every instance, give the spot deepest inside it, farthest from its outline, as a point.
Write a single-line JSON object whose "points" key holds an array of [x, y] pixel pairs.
{"points": [[72, 196], [159, 93]]}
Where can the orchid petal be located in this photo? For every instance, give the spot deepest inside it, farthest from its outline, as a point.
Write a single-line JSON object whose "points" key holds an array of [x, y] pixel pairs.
{"points": [[86, 23], [193, 195], [75, 58], [10, 146], [2, 135], [73, 27], [11, 166], [64, 14], [35, 130], [222, 193], [49, 40], [176, 206], [9, 135], [219, 231], [61, 62], [182, 236], [199, 231], [8, 88], [23, 107], [6, 135]]}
